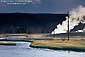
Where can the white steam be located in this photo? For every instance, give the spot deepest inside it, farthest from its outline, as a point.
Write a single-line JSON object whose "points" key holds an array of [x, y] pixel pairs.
{"points": [[75, 17]]}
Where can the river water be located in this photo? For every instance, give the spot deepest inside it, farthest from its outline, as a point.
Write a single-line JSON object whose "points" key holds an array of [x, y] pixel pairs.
{"points": [[22, 49]]}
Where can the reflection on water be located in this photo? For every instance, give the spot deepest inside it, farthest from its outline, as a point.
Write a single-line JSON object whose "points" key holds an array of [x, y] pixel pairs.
{"points": [[21, 50], [23, 44]]}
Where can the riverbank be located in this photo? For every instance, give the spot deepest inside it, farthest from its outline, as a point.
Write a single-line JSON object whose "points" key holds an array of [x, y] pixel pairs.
{"points": [[7, 43], [74, 44]]}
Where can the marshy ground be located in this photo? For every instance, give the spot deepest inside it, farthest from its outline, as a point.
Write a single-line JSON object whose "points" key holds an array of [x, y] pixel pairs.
{"points": [[76, 43]]}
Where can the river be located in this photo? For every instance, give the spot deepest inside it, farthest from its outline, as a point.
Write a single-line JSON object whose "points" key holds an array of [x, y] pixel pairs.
{"points": [[22, 49]]}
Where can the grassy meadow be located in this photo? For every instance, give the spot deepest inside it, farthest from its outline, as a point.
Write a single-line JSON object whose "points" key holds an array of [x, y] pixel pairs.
{"points": [[75, 44]]}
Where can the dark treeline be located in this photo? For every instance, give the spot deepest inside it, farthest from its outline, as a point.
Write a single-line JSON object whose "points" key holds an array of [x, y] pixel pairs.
{"points": [[29, 23]]}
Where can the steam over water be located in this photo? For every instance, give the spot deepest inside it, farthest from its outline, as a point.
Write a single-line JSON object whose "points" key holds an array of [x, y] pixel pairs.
{"points": [[76, 16]]}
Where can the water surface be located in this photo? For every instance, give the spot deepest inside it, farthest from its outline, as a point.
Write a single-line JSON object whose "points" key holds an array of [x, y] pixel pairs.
{"points": [[22, 49]]}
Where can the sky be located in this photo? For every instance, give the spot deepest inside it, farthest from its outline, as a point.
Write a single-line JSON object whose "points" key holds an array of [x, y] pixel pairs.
{"points": [[42, 6]]}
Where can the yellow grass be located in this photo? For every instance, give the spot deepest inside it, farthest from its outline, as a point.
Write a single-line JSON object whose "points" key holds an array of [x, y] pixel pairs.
{"points": [[7, 43], [73, 42]]}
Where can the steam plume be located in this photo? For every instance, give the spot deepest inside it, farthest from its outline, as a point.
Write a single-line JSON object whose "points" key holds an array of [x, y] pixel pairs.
{"points": [[76, 16]]}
